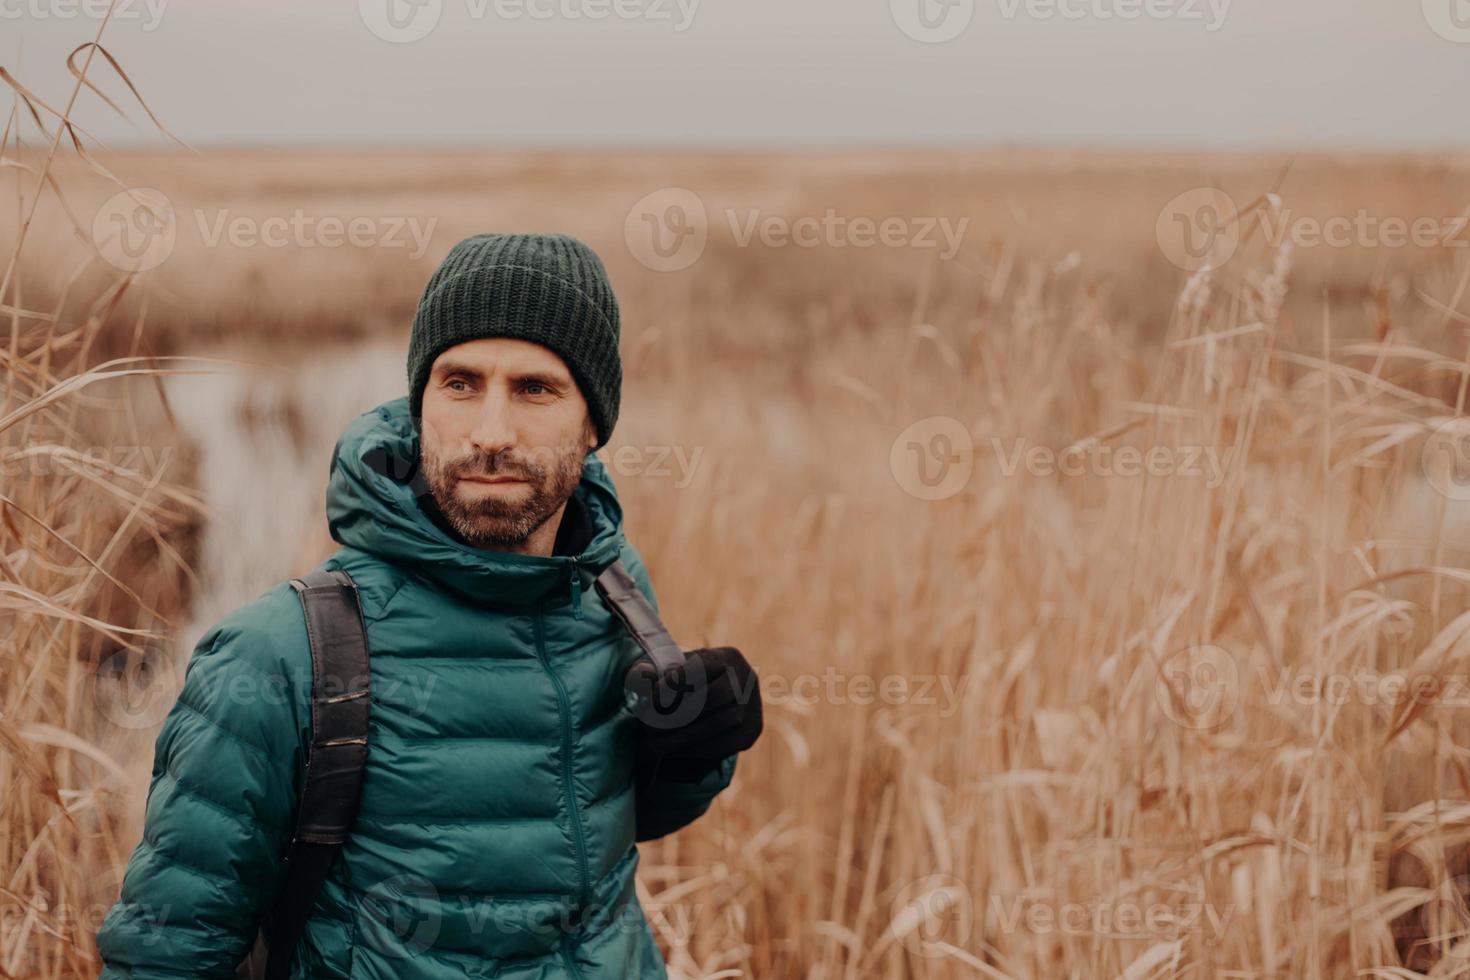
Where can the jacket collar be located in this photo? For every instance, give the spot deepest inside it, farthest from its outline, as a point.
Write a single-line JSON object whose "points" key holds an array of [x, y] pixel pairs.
{"points": [[375, 493]]}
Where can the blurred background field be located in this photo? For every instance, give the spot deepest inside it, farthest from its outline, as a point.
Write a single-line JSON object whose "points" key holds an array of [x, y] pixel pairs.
{"points": [[1105, 750], [1020, 207]]}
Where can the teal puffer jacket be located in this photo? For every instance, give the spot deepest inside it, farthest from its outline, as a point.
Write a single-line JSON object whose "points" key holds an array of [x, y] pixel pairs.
{"points": [[502, 795]]}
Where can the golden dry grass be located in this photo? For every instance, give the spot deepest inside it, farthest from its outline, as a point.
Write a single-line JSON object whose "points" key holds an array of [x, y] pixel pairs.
{"points": [[1058, 723]]}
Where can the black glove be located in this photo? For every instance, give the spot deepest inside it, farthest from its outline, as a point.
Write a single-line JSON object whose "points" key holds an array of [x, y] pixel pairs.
{"points": [[707, 709]]}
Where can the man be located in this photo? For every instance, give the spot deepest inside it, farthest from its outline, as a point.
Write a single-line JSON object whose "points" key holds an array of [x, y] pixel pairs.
{"points": [[506, 782]]}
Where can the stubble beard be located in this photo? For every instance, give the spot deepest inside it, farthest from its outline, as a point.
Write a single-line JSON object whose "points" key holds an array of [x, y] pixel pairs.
{"points": [[492, 521]]}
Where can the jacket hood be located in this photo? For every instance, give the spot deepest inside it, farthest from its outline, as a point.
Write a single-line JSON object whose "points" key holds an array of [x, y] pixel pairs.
{"points": [[374, 488]]}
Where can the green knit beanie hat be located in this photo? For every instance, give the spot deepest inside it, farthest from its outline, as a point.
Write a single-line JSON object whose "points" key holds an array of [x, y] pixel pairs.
{"points": [[549, 289]]}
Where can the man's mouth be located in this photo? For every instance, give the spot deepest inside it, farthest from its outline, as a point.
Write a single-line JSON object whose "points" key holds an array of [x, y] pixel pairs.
{"points": [[493, 480]]}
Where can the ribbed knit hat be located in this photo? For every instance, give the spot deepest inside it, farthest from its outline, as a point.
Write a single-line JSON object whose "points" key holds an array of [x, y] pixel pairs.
{"points": [[548, 289]]}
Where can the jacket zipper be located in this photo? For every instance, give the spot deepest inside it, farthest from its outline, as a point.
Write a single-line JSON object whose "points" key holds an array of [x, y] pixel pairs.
{"points": [[565, 706], [576, 591], [567, 958]]}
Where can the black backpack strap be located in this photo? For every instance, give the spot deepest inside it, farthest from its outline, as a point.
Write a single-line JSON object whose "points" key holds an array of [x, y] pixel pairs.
{"points": [[662, 655], [620, 592], [340, 698]]}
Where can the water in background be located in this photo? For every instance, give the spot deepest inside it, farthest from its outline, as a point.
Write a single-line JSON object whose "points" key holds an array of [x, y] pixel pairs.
{"points": [[265, 436]]}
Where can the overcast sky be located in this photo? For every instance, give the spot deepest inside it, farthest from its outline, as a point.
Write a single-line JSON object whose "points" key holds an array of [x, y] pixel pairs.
{"points": [[1296, 74]]}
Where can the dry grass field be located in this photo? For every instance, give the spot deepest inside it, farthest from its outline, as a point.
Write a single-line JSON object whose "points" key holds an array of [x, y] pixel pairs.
{"points": [[1111, 616]]}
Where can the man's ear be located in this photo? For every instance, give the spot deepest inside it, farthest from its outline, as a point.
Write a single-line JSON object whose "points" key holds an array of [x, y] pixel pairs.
{"points": [[591, 433]]}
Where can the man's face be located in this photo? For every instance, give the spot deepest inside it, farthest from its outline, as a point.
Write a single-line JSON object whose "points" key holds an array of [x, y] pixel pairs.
{"points": [[505, 433]]}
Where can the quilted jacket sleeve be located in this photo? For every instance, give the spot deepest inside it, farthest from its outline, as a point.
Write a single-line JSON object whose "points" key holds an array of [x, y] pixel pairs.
{"points": [[670, 794], [226, 771]]}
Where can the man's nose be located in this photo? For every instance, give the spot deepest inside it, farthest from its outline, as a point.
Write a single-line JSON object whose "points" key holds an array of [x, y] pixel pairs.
{"points": [[494, 431]]}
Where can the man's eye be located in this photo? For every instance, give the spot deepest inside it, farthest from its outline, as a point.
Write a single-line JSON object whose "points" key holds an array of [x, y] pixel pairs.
{"points": [[457, 381], [536, 388]]}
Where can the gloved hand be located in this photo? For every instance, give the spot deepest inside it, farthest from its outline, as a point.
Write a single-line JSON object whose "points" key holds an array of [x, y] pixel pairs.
{"points": [[707, 709]]}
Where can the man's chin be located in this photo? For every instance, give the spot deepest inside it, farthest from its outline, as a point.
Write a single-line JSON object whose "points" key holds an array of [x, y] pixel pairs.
{"points": [[488, 533], [500, 527]]}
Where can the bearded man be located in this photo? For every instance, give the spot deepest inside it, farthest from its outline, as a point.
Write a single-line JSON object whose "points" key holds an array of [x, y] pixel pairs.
{"points": [[505, 783]]}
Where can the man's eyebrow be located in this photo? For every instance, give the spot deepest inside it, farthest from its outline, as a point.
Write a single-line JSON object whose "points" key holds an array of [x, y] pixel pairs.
{"points": [[543, 377], [457, 367]]}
